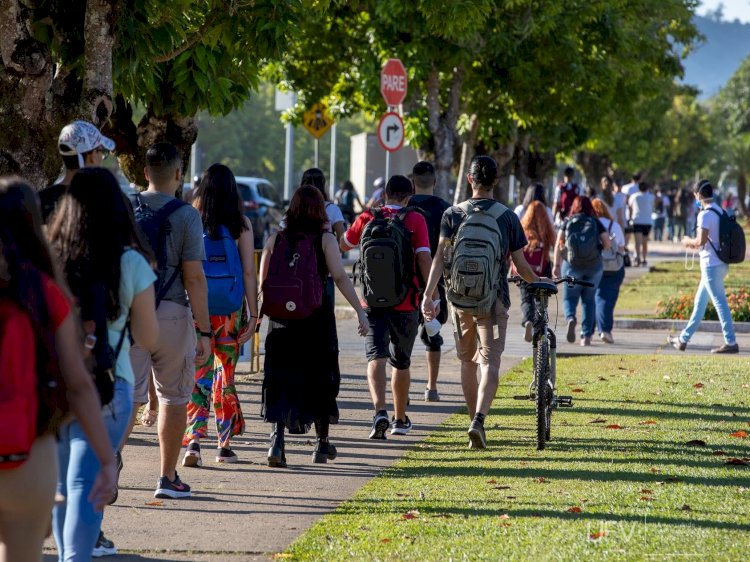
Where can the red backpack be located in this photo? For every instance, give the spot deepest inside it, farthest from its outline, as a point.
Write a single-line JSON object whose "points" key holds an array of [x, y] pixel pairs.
{"points": [[567, 196], [19, 403], [536, 258], [293, 288]]}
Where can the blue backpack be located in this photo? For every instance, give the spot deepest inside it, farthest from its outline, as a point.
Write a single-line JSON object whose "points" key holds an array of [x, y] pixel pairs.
{"points": [[223, 270]]}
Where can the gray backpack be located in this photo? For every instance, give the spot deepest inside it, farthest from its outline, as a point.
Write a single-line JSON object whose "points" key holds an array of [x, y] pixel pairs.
{"points": [[475, 264]]}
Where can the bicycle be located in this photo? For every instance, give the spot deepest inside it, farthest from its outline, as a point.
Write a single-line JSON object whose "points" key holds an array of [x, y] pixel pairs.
{"points": [[545, 357]]}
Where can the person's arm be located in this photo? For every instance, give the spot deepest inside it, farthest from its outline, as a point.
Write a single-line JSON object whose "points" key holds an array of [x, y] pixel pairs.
{"points": [[433, 278], [606, 242], [344, 284], [557, 263], [246, 248], [621, 216], [144, 325], [555, 203], [85, 404], [523, 267], [197, 290], [265, 258], [338, 229], [698, 242]]}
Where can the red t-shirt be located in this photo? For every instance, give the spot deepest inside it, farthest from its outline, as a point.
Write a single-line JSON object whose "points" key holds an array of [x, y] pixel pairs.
{"points": [[420, 242]]}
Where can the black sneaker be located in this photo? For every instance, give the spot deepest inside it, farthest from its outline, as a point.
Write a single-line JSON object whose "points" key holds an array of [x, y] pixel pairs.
{"points": [[192, 458], [477, 437], [116, 491], [172, 489], [324, 452], [103, 547], [380, 425], [225, 455], [571, 334], [400, 427]]}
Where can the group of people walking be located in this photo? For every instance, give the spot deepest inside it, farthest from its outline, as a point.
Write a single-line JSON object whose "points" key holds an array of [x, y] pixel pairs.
{"points": [[148, 291]]}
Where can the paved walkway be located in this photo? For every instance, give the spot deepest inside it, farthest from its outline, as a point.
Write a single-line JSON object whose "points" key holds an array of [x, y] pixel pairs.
{"points": [[249, 511]]}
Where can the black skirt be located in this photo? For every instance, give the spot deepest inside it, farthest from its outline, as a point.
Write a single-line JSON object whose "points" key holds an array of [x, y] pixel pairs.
{"points": [[301, 376]]}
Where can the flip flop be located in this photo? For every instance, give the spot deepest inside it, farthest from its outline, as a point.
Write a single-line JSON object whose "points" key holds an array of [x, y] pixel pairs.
{"points": [[149, 417]]}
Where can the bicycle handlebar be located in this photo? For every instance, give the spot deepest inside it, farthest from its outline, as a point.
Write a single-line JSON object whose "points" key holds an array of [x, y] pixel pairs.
{"points": [[518, 280]]}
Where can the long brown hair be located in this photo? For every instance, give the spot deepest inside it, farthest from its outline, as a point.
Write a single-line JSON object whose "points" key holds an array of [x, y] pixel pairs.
{"points": [[582, 205], [600, 209], [307, 212], [537, 226]]}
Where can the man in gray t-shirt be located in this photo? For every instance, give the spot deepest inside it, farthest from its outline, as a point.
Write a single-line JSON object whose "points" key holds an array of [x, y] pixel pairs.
{"points": [[182, 312]]}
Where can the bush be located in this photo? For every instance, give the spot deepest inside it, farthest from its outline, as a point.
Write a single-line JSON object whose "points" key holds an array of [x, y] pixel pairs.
{"points": [[680, 307]]}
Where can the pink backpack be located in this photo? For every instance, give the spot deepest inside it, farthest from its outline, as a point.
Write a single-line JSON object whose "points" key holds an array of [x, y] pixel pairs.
{"points": [[293, 288]]}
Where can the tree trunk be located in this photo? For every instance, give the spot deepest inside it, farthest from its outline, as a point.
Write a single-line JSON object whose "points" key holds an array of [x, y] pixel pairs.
{"points": [[595, 166], [443, 126], [467, 153], [504, 158], [96, 95]]}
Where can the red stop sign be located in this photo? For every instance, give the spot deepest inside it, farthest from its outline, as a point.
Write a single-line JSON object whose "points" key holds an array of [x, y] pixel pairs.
{"points": [[393, 82]]}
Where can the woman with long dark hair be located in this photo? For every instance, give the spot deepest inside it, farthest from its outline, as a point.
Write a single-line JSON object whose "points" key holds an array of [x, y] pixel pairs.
{"points": [[39, 334], [580, 240], [219, 203], [316, 178], [533, 193], [301, 374], [94, 234]]}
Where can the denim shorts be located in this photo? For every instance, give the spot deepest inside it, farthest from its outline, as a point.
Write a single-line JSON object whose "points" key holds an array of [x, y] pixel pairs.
{"points": [[391, 336]]}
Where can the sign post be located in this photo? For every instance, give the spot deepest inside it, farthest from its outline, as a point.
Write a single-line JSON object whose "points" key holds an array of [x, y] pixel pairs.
{"points": [[284, 101], [393, 83], [317, 121]]}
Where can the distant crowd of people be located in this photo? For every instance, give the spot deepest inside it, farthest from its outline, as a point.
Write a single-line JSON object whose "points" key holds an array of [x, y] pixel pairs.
{"points": [[112, 304]]}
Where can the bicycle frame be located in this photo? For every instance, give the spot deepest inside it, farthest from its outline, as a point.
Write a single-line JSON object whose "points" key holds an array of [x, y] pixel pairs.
{"points": [[543, 334]]}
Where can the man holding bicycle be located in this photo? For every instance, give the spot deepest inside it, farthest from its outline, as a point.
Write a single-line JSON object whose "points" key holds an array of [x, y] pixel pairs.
{"points": [[475, 239]]}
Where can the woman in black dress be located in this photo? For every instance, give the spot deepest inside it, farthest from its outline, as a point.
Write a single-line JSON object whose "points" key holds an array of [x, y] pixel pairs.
{"points": [[301, 374]]}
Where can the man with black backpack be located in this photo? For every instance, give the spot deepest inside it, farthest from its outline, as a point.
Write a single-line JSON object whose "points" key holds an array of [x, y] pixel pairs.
{"points": [[432, 207], [721, 242], [565, 193], [475, 240], [175, 233], [394, 248]]}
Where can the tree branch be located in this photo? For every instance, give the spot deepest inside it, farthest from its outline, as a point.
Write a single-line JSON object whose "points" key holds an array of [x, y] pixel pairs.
{"points": [[191, 41], [454, 105]]}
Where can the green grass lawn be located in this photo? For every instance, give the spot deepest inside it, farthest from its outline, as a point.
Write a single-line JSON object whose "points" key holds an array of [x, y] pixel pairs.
{"points": [[619, 481], [668, 279]]}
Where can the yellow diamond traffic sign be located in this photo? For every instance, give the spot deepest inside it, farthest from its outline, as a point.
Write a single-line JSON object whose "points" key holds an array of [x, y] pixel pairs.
{"points": [[317, 120]]}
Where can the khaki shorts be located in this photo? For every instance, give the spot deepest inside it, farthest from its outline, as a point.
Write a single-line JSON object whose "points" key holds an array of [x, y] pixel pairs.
{"points": [[171, 362], [480, 341]]}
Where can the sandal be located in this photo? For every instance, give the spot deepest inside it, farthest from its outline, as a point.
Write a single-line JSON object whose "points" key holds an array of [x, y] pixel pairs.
{"points": [[149, 417]]}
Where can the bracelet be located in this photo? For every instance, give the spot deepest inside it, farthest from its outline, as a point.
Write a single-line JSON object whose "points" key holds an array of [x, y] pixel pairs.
{"points": [[251, 316], [204, 334]]}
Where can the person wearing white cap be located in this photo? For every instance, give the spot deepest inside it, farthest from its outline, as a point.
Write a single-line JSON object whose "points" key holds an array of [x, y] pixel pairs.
{"points": [[81, 145], [378, 196]]}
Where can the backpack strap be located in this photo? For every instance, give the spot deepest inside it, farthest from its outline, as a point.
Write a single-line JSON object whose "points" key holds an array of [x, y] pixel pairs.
{"points": [[163, 214], [716, 251]]}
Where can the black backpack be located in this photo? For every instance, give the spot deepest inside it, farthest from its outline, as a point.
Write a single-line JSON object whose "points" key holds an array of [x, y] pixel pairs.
{"points": [[156, 228], [386, 259], [731, 247], [582, 241]]}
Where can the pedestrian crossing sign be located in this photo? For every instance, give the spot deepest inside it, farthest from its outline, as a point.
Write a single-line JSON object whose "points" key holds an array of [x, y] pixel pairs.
{"points": [[317, 120]]}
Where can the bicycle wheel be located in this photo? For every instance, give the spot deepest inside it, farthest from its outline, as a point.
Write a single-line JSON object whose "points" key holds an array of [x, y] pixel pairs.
{"points": [[541, 375]]}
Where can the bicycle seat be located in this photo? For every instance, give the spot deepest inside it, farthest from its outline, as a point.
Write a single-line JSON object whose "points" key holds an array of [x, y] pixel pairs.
{"points": [[549, 288]]}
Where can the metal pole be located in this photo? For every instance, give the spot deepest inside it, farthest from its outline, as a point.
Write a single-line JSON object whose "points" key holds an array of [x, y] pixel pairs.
{"points": [[387, 165], [332, 173], [317, 150], [288, 161], [194, 166]]}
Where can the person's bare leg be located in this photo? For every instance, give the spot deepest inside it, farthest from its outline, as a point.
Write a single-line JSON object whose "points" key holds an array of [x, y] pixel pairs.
{"points": [[644, 250], [470, 386], [376, 382], [433, 368], [490, 377], [131, 425], [172, 421], [153, 400], [638, 246], [400, 381]]}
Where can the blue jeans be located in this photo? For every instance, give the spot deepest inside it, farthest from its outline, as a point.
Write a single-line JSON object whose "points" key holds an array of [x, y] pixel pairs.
{"points": [[606, 298], [587, 295], [711, 285], [75, 523]]}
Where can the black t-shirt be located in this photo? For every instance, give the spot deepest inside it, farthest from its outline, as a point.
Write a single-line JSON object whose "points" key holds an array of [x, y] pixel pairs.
{"points": [[48, 197], [432, 208], [508, 222]]}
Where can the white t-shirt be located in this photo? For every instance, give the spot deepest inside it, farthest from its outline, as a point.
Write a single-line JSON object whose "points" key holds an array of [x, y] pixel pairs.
{"points": [[641, 206], [619, 201], [708, 220], [619, 240], [520, 211], [664, 206], [334, 213], [630, 189]]}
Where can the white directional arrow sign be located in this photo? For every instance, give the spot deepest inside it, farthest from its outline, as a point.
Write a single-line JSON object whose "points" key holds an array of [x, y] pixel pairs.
{"points": [[391, 131]]}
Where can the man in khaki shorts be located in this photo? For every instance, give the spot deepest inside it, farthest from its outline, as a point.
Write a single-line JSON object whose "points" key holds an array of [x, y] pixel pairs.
{"points": [[183, 286], [480, 338]]}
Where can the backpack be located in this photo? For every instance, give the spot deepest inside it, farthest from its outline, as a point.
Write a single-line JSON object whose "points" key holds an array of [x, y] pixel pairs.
{"points": [[612, 260], [156, 228], [344, 198], [731, 239], [536, 258], [567, 196], [475, 263], [223, 270], [582, 241], [293, 288], [386, 259]]}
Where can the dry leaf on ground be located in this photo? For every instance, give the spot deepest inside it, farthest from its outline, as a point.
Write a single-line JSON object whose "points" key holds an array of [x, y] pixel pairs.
{"points": [[598, 535], [698, 385], [647, 422], [574, 509], [385, 540], [615, 426], [686, 507], [505, 516], [598, 420], [156, 503], [696, 443], [742, 434], [411, 514], [736, 461], [719, 453]]}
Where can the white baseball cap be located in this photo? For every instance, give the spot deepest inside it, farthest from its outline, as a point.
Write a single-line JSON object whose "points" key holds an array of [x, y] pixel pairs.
{"points": [[379, 182], [80, 137]]}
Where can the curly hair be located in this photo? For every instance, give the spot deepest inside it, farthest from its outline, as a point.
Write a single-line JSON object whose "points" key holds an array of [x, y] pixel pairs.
{"points": [[600, 209], [537, 226]]}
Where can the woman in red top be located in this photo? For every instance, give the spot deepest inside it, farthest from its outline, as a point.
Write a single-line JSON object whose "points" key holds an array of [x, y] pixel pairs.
{"points": [[33, 303]]}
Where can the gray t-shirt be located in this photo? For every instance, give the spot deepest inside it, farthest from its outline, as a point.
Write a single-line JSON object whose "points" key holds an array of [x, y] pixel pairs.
{"points": [[185, 241]]}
